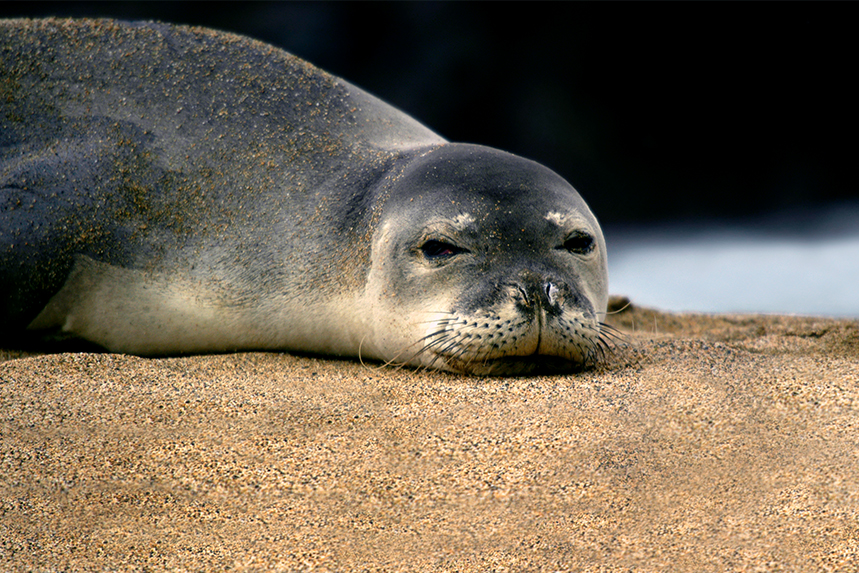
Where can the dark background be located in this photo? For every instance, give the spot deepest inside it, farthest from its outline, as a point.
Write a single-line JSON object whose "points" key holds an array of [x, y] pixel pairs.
{"points": [[655, 112]]}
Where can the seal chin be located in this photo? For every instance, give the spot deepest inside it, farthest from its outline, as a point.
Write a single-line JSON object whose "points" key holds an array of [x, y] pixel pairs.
{"points": [[513, 365]]}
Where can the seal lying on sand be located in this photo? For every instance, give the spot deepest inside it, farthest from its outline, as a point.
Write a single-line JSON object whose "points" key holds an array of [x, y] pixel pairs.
{"points": [[169, 190]]}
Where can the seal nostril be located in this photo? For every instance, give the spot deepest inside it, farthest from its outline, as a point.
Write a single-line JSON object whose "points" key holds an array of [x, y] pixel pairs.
{"points": [[525, 298], [551, 292]]}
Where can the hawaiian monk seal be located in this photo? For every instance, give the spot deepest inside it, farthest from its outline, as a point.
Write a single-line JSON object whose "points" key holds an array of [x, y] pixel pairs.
{"points": [[168, 190]]}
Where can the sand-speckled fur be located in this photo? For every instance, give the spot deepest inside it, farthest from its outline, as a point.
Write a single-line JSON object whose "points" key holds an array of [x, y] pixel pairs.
{"points": [[166, 189]]}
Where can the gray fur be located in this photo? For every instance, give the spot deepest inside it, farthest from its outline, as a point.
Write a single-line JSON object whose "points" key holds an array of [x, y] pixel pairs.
{"points": [[167, 189]]}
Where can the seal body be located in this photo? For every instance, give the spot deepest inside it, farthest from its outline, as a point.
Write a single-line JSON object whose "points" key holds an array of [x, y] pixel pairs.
{"points": [[168, 190]]}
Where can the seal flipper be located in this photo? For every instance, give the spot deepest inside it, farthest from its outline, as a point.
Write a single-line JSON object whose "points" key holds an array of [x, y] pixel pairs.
{"points": [[61, 194], [31, 271]]}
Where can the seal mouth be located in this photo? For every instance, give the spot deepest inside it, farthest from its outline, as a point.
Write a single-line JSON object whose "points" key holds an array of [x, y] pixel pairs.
{"points": [[514, 365]]}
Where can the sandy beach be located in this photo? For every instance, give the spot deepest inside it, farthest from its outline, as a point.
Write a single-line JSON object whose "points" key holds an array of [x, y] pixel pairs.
{"points": [[713, 443]]}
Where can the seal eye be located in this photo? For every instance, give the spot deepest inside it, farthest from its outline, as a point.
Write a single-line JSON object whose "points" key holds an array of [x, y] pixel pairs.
{"points": [[433, 249], [579, 243]]}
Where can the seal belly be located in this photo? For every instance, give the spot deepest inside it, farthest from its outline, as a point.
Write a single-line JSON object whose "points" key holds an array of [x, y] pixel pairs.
{"points": [[151, 314]]}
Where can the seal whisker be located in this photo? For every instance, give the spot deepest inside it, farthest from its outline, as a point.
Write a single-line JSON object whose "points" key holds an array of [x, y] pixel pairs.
{"points": [[617, 311], [441, 353], [416, 342], [438, 340], [609, 330]]}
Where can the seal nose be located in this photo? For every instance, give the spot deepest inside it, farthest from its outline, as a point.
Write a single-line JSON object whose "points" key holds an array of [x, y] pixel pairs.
{"points": [[539, 291]]}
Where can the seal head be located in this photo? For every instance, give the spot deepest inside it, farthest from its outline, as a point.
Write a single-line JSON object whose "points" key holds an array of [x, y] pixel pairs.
{"points": [[487, 263]]}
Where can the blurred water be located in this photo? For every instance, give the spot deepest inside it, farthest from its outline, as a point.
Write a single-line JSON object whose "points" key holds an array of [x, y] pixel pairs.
{"points": [[809, 266]]}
